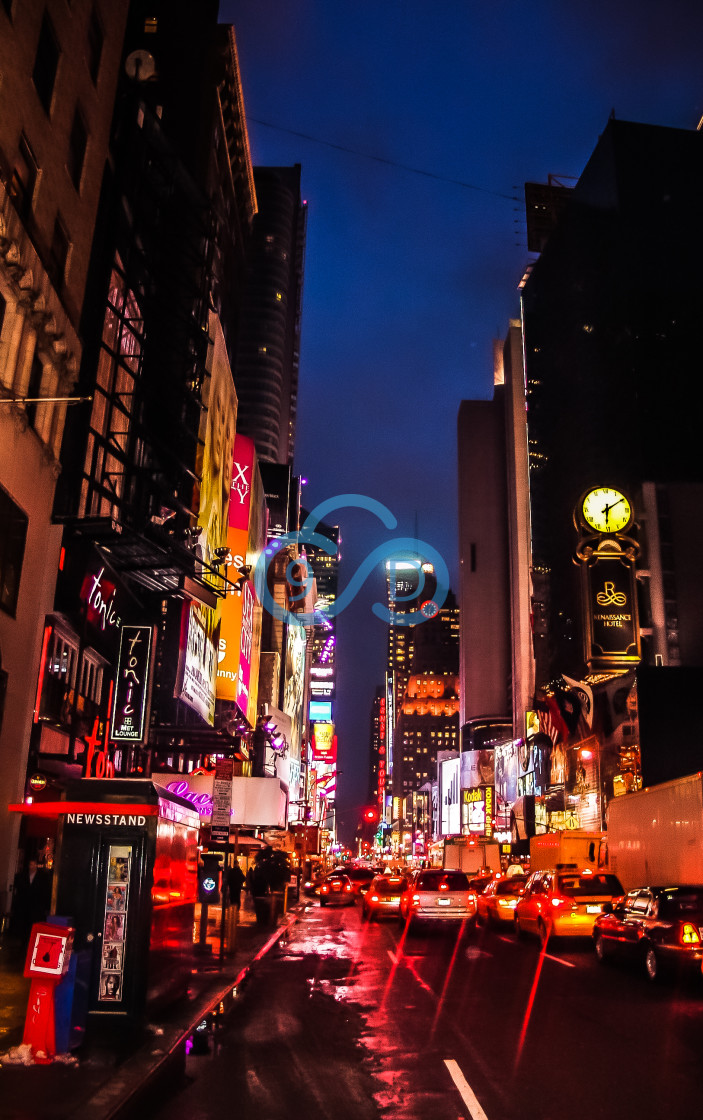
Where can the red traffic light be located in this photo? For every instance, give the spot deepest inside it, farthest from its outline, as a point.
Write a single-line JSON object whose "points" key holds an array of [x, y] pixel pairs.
{"points": [[369, 815]]}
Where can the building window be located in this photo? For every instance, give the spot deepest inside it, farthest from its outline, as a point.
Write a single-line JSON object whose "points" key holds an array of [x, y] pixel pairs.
{"points": [[13, 535], [58, 680], [58, 257], [151, 25], [96, 38], [24, 178], [77, 144], [91, 678], [46, 62], [34, 388]]}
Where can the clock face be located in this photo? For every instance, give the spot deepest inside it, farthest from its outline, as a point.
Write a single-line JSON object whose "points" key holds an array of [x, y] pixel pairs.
{"points": [[606, 510]]}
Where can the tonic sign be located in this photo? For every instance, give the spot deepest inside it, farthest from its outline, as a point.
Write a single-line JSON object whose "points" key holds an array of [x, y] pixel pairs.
{"points": [[128, 717]]}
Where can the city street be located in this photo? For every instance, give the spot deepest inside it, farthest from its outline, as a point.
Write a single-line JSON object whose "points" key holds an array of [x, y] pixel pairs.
{"points": [[351, 1020]]}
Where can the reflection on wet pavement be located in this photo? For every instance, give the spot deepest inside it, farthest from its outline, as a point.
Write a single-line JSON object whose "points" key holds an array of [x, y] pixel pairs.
{"points": [[380, 994]]}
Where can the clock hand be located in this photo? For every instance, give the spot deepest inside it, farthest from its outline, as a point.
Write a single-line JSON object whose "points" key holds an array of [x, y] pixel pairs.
{"points": [[606, 509]]}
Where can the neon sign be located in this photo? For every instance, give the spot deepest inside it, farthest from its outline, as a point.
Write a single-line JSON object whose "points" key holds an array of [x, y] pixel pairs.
{"points": [[201, 801], [100, 596], [128, 717]]}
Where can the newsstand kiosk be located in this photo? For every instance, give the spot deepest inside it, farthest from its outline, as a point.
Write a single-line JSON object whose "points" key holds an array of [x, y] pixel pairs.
{"points": [[126, 878]]}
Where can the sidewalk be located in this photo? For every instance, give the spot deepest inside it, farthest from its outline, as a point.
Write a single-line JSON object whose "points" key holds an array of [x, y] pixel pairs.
{"points": [[101, 1083]]}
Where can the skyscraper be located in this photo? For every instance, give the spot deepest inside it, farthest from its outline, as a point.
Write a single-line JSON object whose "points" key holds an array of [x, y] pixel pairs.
{"points": [[612, 330], [325, 568], [428, 718], [266, 374]]}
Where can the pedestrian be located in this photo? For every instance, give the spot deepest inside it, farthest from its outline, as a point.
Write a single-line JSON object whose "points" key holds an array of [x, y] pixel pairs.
{"points": [[235, 882], [31, 900]]}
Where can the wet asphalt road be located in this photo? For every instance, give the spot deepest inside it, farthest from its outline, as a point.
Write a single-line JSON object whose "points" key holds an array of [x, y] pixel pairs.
{"points": [[351, 1020]]}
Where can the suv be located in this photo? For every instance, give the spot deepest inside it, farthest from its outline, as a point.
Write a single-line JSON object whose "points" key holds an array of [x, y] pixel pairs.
{"points": [[438, 895], [564, 902]]}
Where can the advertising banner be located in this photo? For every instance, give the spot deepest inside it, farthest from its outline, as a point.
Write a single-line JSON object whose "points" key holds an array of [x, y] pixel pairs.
{"points": [[477, 768], [477, 811], [214, 465], [294, 685], [449, 787], [195, 684], [240, 630], [324, 743]]}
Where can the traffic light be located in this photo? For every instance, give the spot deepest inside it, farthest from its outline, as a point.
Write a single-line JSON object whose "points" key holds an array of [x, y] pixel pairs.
{"points": [[370, 816]]}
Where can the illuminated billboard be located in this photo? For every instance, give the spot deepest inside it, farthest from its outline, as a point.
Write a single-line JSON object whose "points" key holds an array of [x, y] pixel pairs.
{"points": [[214, 465], [195, 684], [324, 743], [321, 711], [477, 811], [240, 631], [477, 768], [449, 801], [294, 681]]}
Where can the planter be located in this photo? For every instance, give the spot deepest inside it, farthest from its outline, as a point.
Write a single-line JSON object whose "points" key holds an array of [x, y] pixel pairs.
{"points": [[263, 908]]}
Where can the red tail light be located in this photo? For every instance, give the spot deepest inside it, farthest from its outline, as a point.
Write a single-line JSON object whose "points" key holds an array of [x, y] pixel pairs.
{"points": [[689, 934], [416, 900], [374, 898], [348, 887], [324, 890], [557, 902]]}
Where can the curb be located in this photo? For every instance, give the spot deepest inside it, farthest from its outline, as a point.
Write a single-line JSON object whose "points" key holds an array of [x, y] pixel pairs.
{"points": [[141, 1075]]}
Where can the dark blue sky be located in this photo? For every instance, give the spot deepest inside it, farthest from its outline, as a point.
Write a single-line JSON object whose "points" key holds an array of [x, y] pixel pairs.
{"points": [[409, 276]]}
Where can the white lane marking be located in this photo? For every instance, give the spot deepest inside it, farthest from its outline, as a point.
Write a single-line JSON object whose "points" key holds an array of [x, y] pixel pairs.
{"points": [[567, 964], [392, 956], [467, 1094]]}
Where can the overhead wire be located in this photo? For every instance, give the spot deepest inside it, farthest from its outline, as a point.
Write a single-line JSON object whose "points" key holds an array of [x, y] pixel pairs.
{"points": [[385, 160]]}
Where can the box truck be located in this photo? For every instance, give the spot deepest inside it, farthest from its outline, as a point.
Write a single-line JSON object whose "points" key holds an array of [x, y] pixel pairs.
{"points": [[655, 836], [472, 856], [571, 845]]}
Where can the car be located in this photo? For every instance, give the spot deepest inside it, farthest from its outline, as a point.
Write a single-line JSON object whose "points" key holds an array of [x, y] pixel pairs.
{"points": [[660, 928], [438, 895], [337, 888], [312, 885], [564, 901], [361, 879], [496, 904], [478, 883], [383, 896]]}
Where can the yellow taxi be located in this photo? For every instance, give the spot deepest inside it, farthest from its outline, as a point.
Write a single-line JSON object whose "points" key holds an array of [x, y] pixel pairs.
{"points": [[383, 896], [564, 901], [496, 904]]}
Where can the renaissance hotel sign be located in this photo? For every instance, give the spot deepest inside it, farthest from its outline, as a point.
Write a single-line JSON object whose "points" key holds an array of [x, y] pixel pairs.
{"points": [[611, 611]]}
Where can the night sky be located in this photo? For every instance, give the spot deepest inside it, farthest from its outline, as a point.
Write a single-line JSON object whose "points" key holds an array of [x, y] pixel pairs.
{"points": [[416, 125]]}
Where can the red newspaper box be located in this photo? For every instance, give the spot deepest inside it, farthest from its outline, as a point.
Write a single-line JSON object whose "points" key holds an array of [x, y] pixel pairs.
{"points": [[47, 960]]}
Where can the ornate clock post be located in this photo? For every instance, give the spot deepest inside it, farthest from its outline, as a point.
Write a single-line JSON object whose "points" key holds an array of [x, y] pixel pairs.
{"points": [[606, 556]]}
